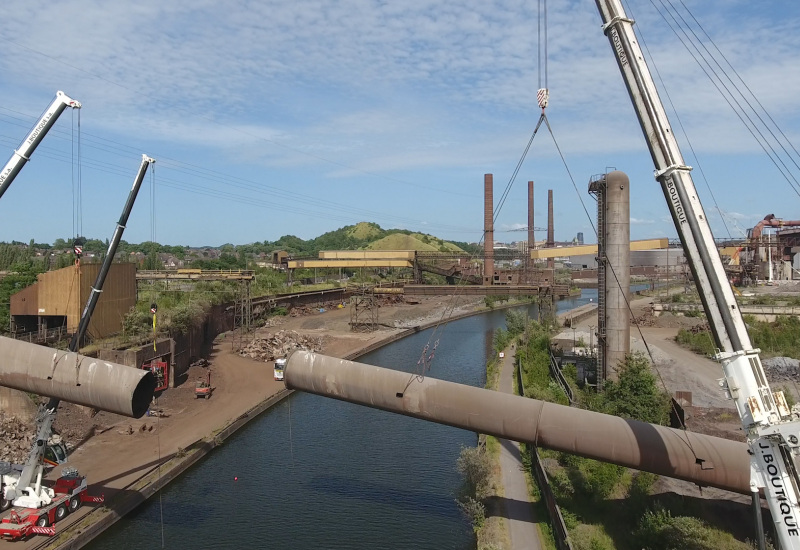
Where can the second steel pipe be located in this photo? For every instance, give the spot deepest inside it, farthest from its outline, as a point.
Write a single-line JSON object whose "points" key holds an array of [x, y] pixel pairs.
{"points": [[705, 460]]}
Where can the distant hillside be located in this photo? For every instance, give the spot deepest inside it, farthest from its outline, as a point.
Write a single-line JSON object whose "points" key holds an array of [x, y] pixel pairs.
{"points": [[364, 236], [413, 241]]}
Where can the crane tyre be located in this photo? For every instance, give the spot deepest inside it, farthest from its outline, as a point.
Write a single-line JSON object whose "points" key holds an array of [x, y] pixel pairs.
{"points": [[4, 504], [74, 503], [61, 512], [43, 521]]}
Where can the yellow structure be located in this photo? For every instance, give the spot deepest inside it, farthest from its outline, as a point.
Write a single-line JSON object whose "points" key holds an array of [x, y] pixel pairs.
{"points": [[542, 253], [334, 263], [366, 254]]}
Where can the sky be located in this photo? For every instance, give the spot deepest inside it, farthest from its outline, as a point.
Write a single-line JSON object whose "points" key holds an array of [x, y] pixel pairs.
{"points": [[272, 118]]}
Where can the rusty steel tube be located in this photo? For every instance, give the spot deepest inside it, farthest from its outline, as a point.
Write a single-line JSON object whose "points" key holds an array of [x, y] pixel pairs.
{"points": [[75, 378], [704, 460]]}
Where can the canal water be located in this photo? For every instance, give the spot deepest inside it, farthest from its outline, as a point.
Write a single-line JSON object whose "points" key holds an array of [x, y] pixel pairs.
{"points": [[315, 473]]}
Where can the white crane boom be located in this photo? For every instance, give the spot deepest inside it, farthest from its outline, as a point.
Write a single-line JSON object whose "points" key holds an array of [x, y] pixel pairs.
{"points": [[771, 434], [32, 140]]}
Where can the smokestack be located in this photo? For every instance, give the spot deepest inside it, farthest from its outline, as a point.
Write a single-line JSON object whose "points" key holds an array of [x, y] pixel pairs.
{"points": [[616, 235], [488, 229], [551, 242], [531, 236], [550, 236]]}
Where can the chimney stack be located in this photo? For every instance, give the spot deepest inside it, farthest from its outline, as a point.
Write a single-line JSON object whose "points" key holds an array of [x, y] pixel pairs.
{"points": [[488, 230], [531, 236], [551, 241], [550, 237]]}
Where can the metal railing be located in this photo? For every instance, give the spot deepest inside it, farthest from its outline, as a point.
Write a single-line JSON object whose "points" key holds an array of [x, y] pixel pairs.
{"points": [[555, 371]]}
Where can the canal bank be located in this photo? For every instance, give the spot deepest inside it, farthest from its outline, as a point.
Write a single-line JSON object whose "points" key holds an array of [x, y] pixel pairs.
{"points": [[150, 479], [144, 480]]}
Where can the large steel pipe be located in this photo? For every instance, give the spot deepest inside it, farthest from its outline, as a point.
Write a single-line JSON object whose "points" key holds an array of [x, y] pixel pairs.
{"points": [[704, 460], [75, 378]]}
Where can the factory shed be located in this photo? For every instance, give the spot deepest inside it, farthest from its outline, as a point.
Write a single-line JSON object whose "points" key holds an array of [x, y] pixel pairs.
{"points": [[57, 299]]}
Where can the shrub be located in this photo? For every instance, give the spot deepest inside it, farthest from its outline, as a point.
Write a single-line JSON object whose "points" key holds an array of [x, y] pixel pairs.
{"points": [[699, 342], [636, 394], [659, 530], [476, 468], [474, 511]]}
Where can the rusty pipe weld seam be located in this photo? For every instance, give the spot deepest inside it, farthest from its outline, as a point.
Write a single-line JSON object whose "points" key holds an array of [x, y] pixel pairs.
{"points": [[704, 460], [75, 378]]}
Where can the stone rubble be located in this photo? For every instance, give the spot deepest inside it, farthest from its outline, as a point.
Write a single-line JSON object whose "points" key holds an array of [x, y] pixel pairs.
{"points": [[16, 439], [781, 369], [280, 344]]}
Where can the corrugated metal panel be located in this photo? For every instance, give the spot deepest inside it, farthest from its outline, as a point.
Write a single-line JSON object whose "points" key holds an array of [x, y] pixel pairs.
{"points": [[25, 301], [366, 254], [117, 298], [64, 292], [58, 294]]}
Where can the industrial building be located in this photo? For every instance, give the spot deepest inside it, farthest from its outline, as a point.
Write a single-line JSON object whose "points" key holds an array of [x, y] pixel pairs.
{"points": [[57, 299]]}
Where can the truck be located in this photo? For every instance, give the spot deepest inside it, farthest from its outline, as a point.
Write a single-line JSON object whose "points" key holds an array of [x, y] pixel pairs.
{"points": [[280, 365], [773, 434], [67, 495]]}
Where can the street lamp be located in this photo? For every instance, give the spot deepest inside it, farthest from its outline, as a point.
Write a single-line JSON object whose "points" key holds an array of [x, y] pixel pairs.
{"points": [[573, 339], [591, 339]]}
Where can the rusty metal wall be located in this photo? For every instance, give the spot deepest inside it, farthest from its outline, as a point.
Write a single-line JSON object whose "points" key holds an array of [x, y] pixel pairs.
{"points": [[58, 294], [116, 300], [25, 302]]}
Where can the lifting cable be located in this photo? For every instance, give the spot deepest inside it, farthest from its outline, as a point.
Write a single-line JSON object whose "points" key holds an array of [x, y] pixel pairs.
{"points": [[428, 353]]}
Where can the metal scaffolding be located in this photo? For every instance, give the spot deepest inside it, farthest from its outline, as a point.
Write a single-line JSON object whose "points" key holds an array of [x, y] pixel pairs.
{"points": [[363, 311]]}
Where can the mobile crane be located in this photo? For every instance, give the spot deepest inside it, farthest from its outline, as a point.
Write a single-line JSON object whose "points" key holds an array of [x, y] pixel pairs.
{"points": [[772, 435], [39, 505], [32, 140]]}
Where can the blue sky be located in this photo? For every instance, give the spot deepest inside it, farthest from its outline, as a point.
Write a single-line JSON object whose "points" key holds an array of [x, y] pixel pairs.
{"points": [[270, 118]]}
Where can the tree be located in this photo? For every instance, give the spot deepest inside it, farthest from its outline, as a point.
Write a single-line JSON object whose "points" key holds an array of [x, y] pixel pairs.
{"points": [[636, 393]]}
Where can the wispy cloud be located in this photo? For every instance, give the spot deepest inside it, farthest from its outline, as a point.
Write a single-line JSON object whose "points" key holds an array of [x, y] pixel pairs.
{"points": [[352, 96]]}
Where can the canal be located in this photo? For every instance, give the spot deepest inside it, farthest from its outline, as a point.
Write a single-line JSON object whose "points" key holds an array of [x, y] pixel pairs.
{"points": [[315, 473]]}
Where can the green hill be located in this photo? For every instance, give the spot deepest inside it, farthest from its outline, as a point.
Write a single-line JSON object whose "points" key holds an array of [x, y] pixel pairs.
{"points": [[364, 236], [413, 241]]}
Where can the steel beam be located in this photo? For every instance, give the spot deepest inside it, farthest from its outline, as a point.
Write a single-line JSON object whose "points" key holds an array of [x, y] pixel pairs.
{"points": [[75, 378], [704, 460]]}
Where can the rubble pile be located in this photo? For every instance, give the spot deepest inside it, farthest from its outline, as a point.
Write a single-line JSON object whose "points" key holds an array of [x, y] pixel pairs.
{"points": [[697, 329], [280, 344], [16, 439], [781, 369], [646, 320], [322, 307]]}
